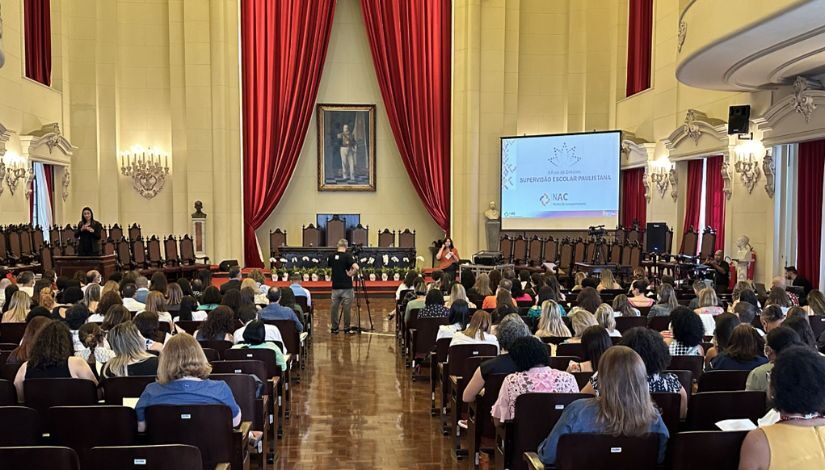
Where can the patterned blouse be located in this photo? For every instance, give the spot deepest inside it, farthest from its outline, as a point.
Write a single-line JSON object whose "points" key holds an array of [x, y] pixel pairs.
{"points": [[433, 311], [537, 379], [656, 383], [679, 349]]}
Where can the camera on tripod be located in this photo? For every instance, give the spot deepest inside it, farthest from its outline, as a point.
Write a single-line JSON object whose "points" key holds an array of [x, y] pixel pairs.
{"points": [[356, 249], [597, 231]]}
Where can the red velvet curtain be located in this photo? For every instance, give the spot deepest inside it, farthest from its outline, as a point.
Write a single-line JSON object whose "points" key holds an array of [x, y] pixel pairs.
{"points": [[411, 44], [38, 37], [694, 194], [283, 47], [715, 199], [809, 209], [634, 204], [639, 45]]}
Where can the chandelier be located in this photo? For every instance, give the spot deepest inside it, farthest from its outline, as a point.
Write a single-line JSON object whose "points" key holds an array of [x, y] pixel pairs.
{"points": [[660, 175], [148, 169], [17, 168]]}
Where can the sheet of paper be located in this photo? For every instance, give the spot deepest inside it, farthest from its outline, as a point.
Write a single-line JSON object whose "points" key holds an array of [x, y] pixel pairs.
{"points": [[735, 425], [130, 402]]}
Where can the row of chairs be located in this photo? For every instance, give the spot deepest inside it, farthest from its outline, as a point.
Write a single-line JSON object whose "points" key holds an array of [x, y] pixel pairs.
{"points": [[146, 457]]}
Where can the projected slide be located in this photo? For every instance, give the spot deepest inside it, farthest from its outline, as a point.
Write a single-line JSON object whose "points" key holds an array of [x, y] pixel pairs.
{"points": [[560, 182]]}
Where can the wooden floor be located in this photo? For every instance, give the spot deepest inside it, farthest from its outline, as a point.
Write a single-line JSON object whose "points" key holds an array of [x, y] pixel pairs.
{"points": [[356, 407]]}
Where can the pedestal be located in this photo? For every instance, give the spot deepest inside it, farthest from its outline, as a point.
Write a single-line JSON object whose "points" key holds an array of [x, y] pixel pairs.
{"points": [[493, 229], [199, 236]]}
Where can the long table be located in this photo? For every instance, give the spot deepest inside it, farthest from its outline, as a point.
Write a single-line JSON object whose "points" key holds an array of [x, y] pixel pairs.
{"points": [[291, 257]]}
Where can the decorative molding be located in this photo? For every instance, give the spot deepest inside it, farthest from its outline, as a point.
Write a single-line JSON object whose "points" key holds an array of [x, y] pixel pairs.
{"points": [[50, 136], [802, 102], [682, 35], [769, 168], [5, 134], [2, 174], [673, 178], [67, 178], [696, 125], [646, 184], [727, 187]]}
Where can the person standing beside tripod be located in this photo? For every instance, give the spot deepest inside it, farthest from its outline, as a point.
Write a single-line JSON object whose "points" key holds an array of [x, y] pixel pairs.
{"points": [[343, 267]]}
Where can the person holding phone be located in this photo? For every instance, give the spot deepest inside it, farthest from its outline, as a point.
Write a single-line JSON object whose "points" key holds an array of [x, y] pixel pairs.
{"points": [[88, 234], [448, 258]]}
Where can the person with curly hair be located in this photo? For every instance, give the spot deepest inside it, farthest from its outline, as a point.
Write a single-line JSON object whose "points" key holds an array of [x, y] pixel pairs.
{"points": [[688, 332], [219, 325]]}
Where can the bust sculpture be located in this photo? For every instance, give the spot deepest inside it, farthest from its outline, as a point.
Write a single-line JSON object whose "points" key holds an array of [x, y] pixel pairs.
{"points": [[199, 213], [744, 257], [491, 213]]}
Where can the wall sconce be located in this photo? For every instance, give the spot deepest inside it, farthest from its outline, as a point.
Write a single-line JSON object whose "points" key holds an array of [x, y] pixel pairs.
{"points": [[749, 154], [17, 168], [148, 169], [662, 173]]}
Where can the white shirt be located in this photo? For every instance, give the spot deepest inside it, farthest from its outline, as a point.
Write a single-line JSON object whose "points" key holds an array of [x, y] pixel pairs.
{"points": [[27, 289], [95, 318], [272, 333], [133, 305], [461, 338]]}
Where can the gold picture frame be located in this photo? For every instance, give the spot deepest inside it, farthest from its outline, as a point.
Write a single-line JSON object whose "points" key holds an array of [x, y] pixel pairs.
{"points": [[346, 147]]}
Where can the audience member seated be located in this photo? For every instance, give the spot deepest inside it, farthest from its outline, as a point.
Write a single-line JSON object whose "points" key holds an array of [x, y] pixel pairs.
{"points": [[477, 332], [130, 357], [21, 353], [533, 375], [210, 299], [803, 329], [457, 292], [505, 304], [652, 349], [797, 441], [107, 301], [116, 315], [260, 282], [605, 318], [491, 301], [552, 282], [518, 294], [511, 328], [623, 308], [174, 295], [299, 290], [5, 283], [96, 350], [128, 292], [667, 301], [779, 297], [550, 321], [595, 340], [747, 312], [688, 332], [744, 351], [708, 303], [581, 320], [534, 286], [638, 297], [589, 282], [724, 326], [480, 290], [434, 305], [772, 317], [545, 293], [45, 298], [234, 282], [816, 303], [110, 286], [606, 281], [458, 318], [91, 296], [415, 299], [142, 291], [577, 281], [92, 278], [219, 326], [188, 310], [588, 299], [149, 326], [780, 285], [778, 340], [623, 408], [183, 379], [25, 282], [246, 315], [232, 299], [275, 311], [52, 356], [698, 285], [288, 300], [255, 336], [77, 315], [19, 305], [8, 293]]}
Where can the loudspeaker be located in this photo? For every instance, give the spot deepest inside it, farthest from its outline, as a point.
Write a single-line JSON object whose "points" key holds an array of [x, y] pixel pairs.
{"points": [[226, 264], [739, 119], [655, 234]]}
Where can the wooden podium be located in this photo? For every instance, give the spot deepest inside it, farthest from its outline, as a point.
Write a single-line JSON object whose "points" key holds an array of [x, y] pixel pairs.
{"points": [[69, 265]]}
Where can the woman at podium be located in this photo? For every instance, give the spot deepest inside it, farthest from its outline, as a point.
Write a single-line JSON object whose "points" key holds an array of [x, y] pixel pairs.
{"points": [[88, 234]]}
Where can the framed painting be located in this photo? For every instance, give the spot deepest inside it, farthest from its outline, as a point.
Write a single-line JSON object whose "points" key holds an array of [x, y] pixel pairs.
{"points": [[346, 147]]}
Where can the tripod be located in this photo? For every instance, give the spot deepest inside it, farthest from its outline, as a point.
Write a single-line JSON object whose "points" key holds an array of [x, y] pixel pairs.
{"points": [[360, 290]]}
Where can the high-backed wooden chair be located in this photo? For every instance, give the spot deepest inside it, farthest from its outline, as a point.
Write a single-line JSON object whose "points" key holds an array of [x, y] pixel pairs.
{"points": [[336, 230], [534, 251], [406, 239], [520, 250], [54, 235], [360, 235], [134, 232], [311, 235], [277, 239], [708, 243], [566, 258], [139, 254], [67, 235], [116, 233], [155, 257], [159, 457], [505, 246], [262, 365], [690, 240], [46, 258], [38, 239], [188, 257], [550, 250], [668, 241], [579, 251], [386, 238], [113, 426]]}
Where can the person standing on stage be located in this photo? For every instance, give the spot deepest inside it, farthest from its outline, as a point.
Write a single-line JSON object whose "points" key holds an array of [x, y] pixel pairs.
{"points": [[448, 259], [88, 234], [343, 267], [721, 271]]}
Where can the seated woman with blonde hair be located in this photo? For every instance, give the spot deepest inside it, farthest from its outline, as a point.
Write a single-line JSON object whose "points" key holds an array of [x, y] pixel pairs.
{"points": [[607, 281], [708, 303], [605, 318], [550, 321], [477, 332], [183, 379], [581, 320]]}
